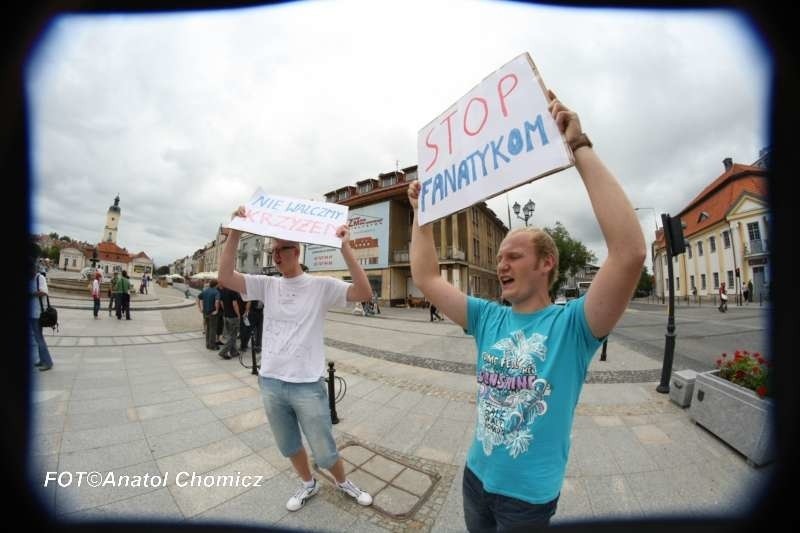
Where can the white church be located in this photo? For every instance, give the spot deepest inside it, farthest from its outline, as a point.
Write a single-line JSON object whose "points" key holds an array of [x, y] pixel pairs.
{"points": [[106, 255]]}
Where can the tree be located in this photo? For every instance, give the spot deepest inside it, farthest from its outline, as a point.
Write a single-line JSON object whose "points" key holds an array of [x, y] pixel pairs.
{"points": [[645, 285], [53, 235], [52, 253], [572, 255], [162, 270], [65, 238]]}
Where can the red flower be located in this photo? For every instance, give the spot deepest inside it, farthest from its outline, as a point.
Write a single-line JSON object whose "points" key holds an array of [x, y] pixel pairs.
{"points": [[761, 391]]}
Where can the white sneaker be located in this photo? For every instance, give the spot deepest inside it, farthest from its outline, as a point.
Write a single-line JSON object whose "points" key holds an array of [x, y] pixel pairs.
{"points": [[301, 496], [349, 488]]}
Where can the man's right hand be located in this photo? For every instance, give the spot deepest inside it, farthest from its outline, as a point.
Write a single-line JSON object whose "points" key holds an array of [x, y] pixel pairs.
{"points": [[413, 194]]}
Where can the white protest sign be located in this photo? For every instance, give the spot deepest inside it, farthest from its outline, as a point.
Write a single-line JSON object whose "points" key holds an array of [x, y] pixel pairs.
{"points": [[292, 219], [497, 136]]}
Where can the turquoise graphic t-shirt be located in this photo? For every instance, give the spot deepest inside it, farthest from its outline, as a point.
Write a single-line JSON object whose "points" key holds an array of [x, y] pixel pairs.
{"points": [[530, 371]]}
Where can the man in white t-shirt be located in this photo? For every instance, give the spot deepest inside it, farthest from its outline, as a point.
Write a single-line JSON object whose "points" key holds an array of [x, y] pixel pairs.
{"points": [[293, 357]]}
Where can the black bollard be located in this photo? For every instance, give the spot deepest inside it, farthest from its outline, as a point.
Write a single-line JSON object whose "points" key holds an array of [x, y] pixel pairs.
{"points": [[331, 393], [254, 370]]}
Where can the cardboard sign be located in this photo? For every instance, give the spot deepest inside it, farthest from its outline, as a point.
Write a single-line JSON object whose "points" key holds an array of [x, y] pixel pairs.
{"points": [[292, 219], [497, 136]]}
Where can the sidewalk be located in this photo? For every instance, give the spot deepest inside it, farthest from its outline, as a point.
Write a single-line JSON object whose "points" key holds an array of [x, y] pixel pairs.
{"points": [[144, 398]]}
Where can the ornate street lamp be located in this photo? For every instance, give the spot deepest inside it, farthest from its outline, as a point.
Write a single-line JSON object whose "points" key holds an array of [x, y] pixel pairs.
{"points": [[527, 211]]}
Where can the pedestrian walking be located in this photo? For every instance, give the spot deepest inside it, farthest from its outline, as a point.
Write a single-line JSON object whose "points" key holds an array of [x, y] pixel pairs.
{"points": [[723, 298], [38, 291]]}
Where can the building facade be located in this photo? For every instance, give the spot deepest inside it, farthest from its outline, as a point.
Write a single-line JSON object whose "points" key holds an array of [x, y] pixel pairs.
{"points": [[380, 219], [726, 232]]}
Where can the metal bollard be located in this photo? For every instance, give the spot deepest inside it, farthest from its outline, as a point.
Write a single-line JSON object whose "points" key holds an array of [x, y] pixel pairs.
{"points": [[254, 371], [603, 353], [332, 393]]}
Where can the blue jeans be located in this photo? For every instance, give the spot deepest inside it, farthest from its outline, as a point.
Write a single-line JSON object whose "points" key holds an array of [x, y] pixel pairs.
{"points": [[38, 343], [96, 308], [485, 511], [292, 406]]}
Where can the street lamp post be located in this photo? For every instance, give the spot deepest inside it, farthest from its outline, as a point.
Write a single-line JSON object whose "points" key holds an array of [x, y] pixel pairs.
{"points": [[527, 211]]}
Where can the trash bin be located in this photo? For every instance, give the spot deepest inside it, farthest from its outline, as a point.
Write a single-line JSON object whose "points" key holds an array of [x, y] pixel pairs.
{"points": [[682, 386]]}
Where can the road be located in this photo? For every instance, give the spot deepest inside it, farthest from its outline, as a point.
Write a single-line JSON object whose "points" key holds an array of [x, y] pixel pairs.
{"points": [[702, 333]]}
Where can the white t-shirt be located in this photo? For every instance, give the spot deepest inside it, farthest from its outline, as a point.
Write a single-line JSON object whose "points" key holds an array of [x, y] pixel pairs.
{"points": [[36, 308], [294, 315]]}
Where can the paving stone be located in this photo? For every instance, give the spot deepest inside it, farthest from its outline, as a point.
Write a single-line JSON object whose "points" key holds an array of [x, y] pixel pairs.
{"points": [[204, 458], [383, 468], [413, 481], [357, 455], [395, 501], [367, 481]]}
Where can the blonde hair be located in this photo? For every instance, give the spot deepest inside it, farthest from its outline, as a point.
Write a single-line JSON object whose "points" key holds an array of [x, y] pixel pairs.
{"points": [[543, 245]]}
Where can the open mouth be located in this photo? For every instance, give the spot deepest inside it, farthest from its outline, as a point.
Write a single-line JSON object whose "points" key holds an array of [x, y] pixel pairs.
{"points": [[506, 281]]}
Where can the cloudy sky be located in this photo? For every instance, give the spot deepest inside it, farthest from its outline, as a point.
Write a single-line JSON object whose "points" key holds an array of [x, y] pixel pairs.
{"points": [[184, 115]]}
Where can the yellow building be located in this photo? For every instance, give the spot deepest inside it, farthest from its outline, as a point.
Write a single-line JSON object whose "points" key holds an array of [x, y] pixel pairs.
{"points": [[380, 219], [726, 230]]}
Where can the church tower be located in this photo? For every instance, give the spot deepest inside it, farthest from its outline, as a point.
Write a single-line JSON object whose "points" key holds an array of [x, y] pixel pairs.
{"points": [[112, 221]]}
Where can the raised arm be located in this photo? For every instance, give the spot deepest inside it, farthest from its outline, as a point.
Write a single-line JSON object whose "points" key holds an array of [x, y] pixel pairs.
{"points": [[425, 268], [360, 290], [614, 283], [227, 275]]}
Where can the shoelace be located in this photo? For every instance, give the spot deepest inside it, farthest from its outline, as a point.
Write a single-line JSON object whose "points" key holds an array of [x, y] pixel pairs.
{"points": [[348, 487], [303, 491]]}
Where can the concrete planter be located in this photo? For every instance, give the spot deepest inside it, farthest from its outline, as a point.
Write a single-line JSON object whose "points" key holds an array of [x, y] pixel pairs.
{"points": [[734, 414]]}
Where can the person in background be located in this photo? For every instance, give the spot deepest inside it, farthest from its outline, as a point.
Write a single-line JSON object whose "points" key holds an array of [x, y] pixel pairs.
{"points": [[38, 290], [435, 313], [231, 315], [124, 294], [113, 295], [96, 293], [208, 304]]}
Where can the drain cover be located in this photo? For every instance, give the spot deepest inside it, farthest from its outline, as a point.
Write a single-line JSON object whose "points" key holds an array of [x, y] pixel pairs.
{"points": [[398, 488]]}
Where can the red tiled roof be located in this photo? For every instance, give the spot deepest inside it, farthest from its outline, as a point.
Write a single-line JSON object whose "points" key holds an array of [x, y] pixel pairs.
{"points": [[721, 195], [717, 199], [109, 251]]}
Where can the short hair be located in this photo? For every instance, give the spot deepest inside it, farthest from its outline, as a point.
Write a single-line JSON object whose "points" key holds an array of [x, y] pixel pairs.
{"points": [[212, 283], [543, 245]]}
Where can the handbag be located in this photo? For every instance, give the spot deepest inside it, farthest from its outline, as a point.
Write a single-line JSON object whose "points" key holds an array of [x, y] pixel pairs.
{"points": [[48, 318]]}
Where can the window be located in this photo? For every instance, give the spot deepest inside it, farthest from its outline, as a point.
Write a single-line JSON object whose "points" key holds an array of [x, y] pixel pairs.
{"points": [[691, 281], [677, 283], [753, 231], [389, 180], [702, 282], [477, 250], [73, 262], [712, 244], [689, 250], [730, 278], [365, 187], [716, 280], [344, 194], [674, 258], [700, 248], [726, 238]]}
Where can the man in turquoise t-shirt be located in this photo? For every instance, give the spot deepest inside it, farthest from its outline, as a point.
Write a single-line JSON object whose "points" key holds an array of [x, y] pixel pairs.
{"points": [[533, 356]]}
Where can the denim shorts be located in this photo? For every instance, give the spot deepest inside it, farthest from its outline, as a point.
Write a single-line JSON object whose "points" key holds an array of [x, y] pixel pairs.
{"points": [[486, 511], [291, 407]]}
